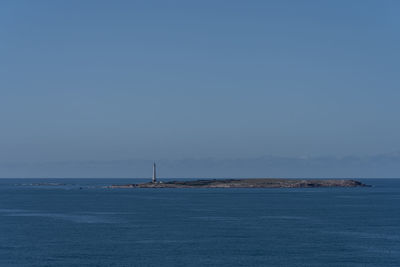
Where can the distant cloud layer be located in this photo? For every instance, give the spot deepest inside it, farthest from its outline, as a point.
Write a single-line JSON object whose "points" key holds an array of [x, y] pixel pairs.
{"points": [[385, 165]]}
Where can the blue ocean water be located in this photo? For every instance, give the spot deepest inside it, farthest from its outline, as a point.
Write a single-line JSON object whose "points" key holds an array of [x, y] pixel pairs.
{"points": [[83, 224]]}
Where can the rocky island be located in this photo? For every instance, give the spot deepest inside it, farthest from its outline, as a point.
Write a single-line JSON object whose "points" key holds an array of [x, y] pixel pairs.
{"points": [[247, 183]]}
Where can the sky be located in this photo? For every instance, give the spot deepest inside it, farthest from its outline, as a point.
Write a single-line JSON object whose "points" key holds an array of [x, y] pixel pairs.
{"points": [[136, 81]]}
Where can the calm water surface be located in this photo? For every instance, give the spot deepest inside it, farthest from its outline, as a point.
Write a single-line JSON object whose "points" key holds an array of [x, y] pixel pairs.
{"points": [[83, 224]]}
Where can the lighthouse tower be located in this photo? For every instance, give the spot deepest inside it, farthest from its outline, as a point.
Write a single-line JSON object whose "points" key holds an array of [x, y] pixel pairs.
{"points": [[154, 173]]}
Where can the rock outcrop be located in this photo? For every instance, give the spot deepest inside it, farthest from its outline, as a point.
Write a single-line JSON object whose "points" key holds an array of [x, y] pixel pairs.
{"points": [[248, 183]]}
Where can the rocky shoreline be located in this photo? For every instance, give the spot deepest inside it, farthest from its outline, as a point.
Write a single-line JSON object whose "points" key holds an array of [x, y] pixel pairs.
{"points": [[248, 183]]}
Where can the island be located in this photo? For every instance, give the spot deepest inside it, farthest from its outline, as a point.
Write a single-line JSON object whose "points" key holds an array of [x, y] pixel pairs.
{"points": [[247, 183]]}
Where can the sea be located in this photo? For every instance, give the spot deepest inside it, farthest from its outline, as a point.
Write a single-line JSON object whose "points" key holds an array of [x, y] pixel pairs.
{"points": [[81, 222]]}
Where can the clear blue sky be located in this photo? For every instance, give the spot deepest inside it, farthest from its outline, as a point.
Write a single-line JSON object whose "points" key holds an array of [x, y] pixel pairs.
{"points": [[116, 80]]}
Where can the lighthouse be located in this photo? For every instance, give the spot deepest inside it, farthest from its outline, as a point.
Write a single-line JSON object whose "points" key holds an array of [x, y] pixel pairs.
{"points": [[154, 180]]}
